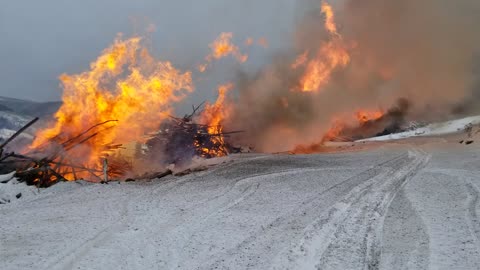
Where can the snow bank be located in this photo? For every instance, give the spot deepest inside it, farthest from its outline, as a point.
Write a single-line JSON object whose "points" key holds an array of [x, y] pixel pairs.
{"points": [[436, 129]]}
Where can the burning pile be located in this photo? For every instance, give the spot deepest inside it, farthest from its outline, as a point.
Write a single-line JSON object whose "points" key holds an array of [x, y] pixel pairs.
{"points": [[370, 123], [53, 160], [180, 139], [125, 95], [126, 90]]}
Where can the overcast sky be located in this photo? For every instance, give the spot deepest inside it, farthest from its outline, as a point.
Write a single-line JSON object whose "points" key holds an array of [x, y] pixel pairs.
{"points": [[42, 39]]}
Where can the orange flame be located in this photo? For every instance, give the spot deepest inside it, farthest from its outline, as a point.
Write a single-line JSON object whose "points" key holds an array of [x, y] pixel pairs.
{"points": [[301, 60], [223, 47], [335, 130], [202, 68], [213, 115], [330, 25], [364, 116], [361, 117], [331, 55], [318, 71], [125, 83]]}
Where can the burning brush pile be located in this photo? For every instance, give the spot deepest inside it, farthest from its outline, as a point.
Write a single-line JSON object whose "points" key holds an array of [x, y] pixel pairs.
{"points": [[60, 158], [181, 139], [125, 98]]}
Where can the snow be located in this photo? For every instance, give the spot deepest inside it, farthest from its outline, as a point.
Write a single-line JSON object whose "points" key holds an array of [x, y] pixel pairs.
{"points": [[12, 191], [6, 133], [436, 129], [10, 123], [199, 163], [392, 206], [6, 177]]}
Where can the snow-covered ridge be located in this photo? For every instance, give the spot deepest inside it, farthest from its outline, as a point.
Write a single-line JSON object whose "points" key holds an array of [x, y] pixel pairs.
{"points": [[11, 122], [435, 129]]}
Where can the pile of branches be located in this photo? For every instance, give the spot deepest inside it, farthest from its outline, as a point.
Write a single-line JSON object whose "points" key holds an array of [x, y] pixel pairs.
{"points": [[177, 142], [180, 139], [51, 162]]}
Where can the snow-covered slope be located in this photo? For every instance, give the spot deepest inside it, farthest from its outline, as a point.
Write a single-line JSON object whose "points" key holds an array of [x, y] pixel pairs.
{"points": [[10, 122], [436, 129], [29, 108], [15, 113]]}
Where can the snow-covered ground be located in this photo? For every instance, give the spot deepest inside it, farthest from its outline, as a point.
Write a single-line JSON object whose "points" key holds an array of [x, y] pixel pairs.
{"points": [[407, 205], [412, 205]]}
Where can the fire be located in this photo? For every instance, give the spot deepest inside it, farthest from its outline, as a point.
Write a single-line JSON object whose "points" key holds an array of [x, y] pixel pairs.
{"points": [[223, 47], [202, 68], [125, 84], [330, 56], [338, 127], [318, 71], [301, 60], [335, 130], [364, 116], [213, 115], [360, 118], [330, 25]]}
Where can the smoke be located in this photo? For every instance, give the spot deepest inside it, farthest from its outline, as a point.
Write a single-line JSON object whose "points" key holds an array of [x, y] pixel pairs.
{"points": [[422, 51]]}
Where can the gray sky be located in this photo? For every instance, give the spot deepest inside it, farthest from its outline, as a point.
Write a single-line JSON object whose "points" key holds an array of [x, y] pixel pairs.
{"points": [[42, 39]]}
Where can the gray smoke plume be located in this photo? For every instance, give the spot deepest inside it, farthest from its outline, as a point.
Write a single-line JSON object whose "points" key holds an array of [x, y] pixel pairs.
{"points": [[422, 51]]}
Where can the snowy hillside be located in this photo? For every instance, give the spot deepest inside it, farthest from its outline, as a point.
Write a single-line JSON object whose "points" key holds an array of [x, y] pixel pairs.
{"points": [[30, 108], [11, 122], [15, 113]]}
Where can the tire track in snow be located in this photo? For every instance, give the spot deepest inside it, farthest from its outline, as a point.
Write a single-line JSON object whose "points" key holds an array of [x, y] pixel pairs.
{"points": [[238, 190], [290, 225], [349, 235], [68, 259], [472, 217], [473, 200]]}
